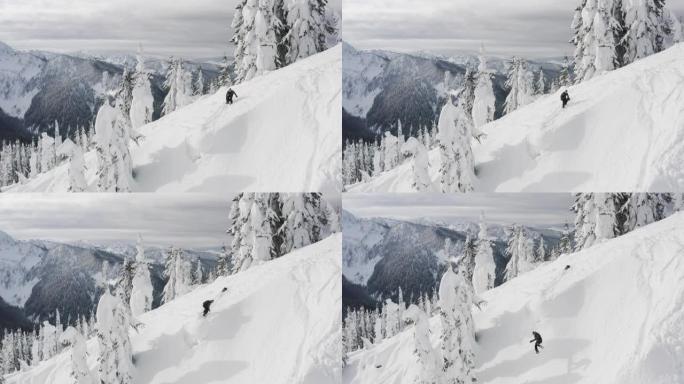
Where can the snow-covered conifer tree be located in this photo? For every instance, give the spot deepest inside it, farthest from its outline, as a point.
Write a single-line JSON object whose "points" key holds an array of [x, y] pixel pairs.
{"points": [[540, 252], [223, 263], [609, 34], [647, 27], [115, 357], [419, 164], [34, 161], [80, 373], [37, 348], [565, 244], [392, 320], [179, 85], [598, 217], [124, 284], [307, 28], [678, 202], [142, 103], [596, 36], [198, 273], [427, 357], [178, 271], [458, 333], [306, 219], [644, 208], [379, 329], [224, 78], [521, 85], [48, 334], [47, 152], [456, 130], [564, 78], [141, 293], [114, 133], [83, 139], [484, 102], [268, 225], [485, 268], [256, 43], [77, 181], [391, 151], [198, 84], [520, 251], [541, 83]]}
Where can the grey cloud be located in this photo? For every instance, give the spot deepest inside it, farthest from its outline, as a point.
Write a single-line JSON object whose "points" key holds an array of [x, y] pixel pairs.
{"points": [[502, 208], [188, 220], [188, 28], [531, 28]]}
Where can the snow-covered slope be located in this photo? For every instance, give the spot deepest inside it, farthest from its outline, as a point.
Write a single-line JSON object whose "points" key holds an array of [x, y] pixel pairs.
{"points": [[616, 316], [282, 134], [279, 322], [622, 131]]}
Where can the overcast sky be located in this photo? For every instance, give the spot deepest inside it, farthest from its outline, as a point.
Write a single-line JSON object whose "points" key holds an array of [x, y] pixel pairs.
{"points": [[196, 28], [540, 209], [530, 28], [185, 220], [188, 28]]}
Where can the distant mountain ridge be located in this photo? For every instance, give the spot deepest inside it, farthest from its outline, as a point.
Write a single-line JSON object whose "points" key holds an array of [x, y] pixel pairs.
{"points": [[38, 88], [379, 255], [37, 277], [382, 87]]}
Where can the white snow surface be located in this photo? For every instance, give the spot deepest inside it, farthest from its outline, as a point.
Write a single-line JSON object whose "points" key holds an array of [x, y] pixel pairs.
{"points": [[615, 317], [282, 134], [279, 322], [622, 131]]}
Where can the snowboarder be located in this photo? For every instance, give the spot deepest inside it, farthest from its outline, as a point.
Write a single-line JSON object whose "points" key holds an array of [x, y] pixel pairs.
{"points": [[207, 307], [565, 97], [537, 341], [207, 303], [229, 96]]}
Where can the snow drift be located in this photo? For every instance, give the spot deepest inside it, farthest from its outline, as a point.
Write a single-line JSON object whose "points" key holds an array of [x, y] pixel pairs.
{"points": [[278, 322], [616, 316], [282, 134], [622, 131]]}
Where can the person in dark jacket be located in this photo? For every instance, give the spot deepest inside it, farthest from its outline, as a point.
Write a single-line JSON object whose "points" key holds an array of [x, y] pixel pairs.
{"points": [[207, 306], [537, 341], [565, 97], [229, 96]]}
